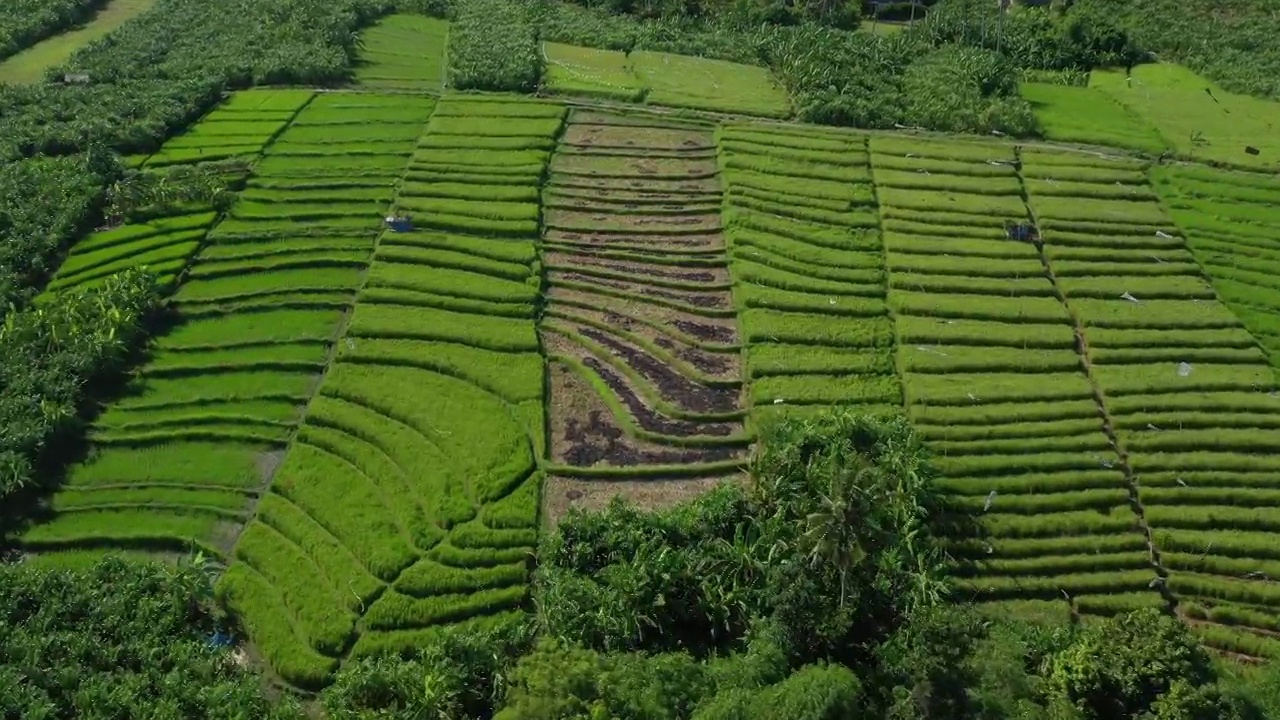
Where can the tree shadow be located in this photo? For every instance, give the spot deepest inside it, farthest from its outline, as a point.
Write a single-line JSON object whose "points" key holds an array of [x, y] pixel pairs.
{"points": [[70, 445]]}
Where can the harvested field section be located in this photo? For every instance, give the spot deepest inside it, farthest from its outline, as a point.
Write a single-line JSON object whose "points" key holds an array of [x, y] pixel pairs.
{"points": [[1204, 432], [640, 326], [808, 271], [995, 384], [411, 488]]}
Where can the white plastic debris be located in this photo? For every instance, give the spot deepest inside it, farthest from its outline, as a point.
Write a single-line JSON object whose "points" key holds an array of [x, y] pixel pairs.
{"points": [[831, 301], [1129, 296], [1184, 369], [1181, 482], [973, 397], [1150, 426], [777, 401], [1107, 464], [1163, 234], [991, 497], [1157, 259]]}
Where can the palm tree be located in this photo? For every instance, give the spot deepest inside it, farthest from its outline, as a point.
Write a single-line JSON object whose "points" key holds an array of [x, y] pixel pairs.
{"points": [[831, 535]]}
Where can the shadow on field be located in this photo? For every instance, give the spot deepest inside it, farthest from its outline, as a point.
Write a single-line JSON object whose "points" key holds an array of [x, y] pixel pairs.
{"points": [[31, 505]]}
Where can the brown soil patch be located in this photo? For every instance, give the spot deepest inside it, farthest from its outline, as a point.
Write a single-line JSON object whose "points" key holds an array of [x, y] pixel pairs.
{"points": [[560, 494], [709, 301], [690, 328], [674, 387], [676, 224], [633, 119], [644, 197], [639, 184], [626, 167], [631, 136], [584, 432], [565, 261], [586, 149], [608, 204], [718, 365], [630, 241], [624, 390]]}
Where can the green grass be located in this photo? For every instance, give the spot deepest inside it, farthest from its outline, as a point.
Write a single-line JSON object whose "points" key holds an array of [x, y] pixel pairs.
{"points": [[1088, 115], [1209, 124], [705, 84], [403, 52]]}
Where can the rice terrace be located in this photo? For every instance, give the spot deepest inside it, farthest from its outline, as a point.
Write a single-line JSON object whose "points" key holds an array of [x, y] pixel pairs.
{"points": [[343, 326]]}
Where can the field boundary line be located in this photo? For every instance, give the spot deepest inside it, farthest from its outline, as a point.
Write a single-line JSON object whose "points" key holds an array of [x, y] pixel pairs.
{"points": [[1108, 423], [884, 269]]}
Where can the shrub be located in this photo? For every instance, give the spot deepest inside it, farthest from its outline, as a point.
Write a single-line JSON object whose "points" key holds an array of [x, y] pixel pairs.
{"points": [[815, 692], [1131, 664], [126, 639], [50, 354], [961, 89]]}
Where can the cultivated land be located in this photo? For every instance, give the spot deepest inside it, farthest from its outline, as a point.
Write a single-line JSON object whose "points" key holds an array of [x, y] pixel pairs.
{"points": [[364, 425]]}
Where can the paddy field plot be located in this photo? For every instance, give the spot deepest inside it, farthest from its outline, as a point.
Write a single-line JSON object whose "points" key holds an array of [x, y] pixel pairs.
{"points": [[239, 128], [640, 326], [992, 379], [1233, 229], [1196, 117], [403, 52], [183, 455], [808, 271], [1187, 392], [590, 72], [409, 498]]}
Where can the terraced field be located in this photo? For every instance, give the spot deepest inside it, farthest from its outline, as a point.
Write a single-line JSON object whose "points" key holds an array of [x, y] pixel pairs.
{"points": [[640, 332], [198, 433], [1220, 552], [992, 376], [409, 498], [808, 270], [359, 421]]}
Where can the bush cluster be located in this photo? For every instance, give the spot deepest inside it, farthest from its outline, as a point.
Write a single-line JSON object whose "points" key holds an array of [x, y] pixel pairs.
{"points": [[493, 45], [50, 353]]}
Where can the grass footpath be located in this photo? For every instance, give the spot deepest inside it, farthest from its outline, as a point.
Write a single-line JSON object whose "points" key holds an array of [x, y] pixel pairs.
{"points": [[29, 65]]}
